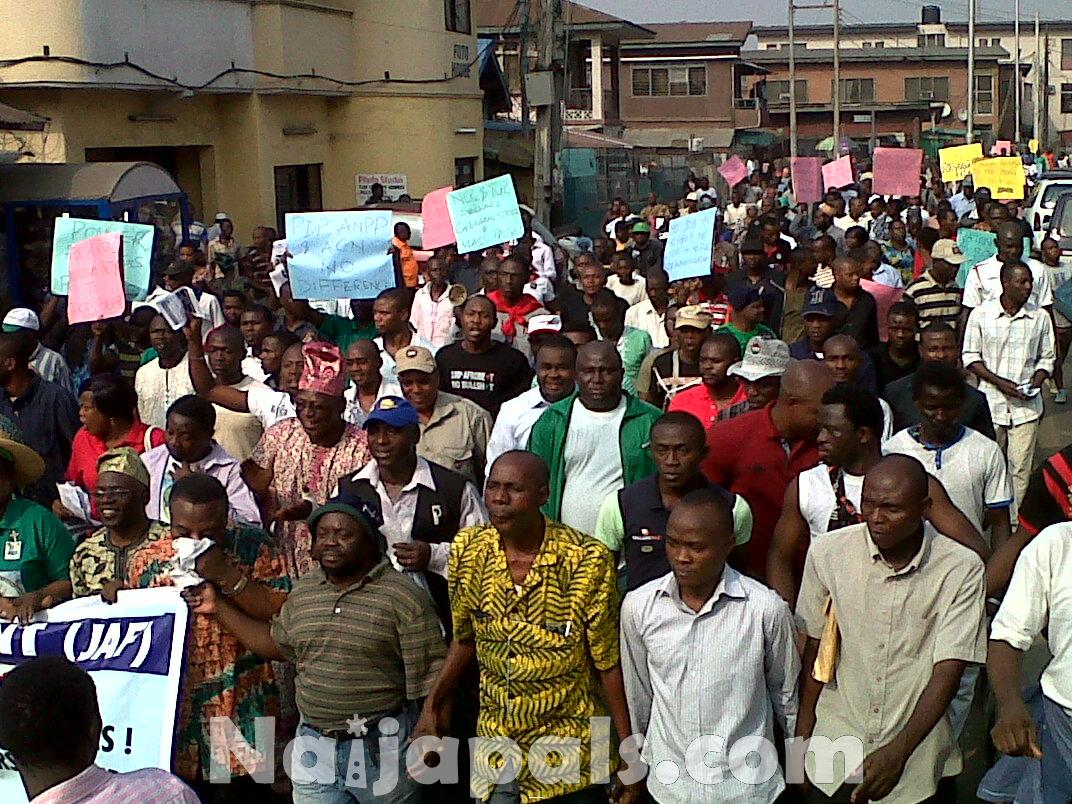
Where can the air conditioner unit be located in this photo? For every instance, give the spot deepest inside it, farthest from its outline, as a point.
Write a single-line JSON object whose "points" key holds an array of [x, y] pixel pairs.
{"points": [[695, 144]]}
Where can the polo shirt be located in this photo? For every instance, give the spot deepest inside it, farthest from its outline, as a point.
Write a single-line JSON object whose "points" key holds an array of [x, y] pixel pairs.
{"points": [[699, 402], [343, 331], [974, 413], [934, 301], [747, 456], [35, 547], [362, 650], [47, 415]]}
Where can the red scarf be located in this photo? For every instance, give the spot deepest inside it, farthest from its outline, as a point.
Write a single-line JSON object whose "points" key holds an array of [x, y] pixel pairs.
{"points": [[516, 313]]}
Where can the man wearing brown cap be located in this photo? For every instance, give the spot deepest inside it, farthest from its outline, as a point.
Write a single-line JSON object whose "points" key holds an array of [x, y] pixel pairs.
{"points": [[454, 431], [935, 292], [679, 368]]}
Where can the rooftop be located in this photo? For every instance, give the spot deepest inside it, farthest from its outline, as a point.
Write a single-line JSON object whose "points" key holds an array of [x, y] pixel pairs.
{"points": [[881, 54], [499, 17]]}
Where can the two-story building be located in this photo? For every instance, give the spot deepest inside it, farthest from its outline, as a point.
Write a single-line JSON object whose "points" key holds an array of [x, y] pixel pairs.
{"points": [[257, 107]]}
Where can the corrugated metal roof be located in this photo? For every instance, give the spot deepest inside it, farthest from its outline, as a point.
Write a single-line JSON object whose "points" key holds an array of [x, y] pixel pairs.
{"points": [[84, 181]]}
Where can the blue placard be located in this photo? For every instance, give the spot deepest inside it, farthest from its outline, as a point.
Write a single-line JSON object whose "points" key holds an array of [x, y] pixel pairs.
{"points": [[339, 255], [688, 251], [137, 252], [485, 214]]}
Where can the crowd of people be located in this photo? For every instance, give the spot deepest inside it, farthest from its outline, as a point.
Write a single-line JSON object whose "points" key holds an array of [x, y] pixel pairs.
{"points": [[544, 484]]}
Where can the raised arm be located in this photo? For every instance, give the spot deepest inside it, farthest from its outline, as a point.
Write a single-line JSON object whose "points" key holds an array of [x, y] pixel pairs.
{"points": [[204, 383]]}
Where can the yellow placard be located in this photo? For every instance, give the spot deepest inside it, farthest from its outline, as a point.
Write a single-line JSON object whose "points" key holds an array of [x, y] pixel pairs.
{"points": [[1033, 146], [1004, 175], [956, 161]]}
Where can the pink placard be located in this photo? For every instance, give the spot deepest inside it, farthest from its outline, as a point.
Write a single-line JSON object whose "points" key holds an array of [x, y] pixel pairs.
{"points": [[437, 230], [733, 170], [885, 298], [807, 173], [96, 288], [1002, 148], [897, 171], [838, 174]]}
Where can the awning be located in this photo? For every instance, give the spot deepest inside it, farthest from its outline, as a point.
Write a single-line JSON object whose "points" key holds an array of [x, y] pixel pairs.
{"points": [[757, 137], [719, 138], [84, 181], [579, 138], [12, 119]]}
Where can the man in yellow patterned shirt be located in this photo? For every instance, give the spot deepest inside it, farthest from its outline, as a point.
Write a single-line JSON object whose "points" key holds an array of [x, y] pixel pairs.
{"points": [[535, 603]]}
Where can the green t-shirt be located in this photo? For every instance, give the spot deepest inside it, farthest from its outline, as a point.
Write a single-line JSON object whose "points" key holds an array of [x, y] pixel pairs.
{"points": [[344, 331], [761, 330], [35, 547]]}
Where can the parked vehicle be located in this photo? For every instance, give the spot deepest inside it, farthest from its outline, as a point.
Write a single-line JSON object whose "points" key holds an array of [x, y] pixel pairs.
{"points": [[1060, 223], [1049, 187]]}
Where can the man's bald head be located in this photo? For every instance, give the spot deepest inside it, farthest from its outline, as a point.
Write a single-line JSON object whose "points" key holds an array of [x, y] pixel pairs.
{"points": [[529, 464], [900, 470], [841, 344], [227, 336], [806, 379], [599, 351], [796, 413], [1010, 233], [363, 348], [895, 502]]}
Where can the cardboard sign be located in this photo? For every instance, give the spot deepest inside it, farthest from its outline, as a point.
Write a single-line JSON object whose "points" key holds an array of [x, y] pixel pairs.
{"points": [[733, 170], [885, 298], [340, 255], [436, 228], [1033, 146], [137, 252], [688, 249], [96, 285], [1001, 148], [485, 214], [838, 174], [956, 161], [897, 171], [1004, 175], [807, 174], [394, 185]]}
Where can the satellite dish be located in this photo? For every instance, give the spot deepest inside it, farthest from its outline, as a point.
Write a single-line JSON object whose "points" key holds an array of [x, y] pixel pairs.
{"points": [[946, 110], [962, 116]]}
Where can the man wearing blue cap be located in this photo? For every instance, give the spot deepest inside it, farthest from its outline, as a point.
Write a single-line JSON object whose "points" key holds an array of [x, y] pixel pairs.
{"points": [[419, 506]]}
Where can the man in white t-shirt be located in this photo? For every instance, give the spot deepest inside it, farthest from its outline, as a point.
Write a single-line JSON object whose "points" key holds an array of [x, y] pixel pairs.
{"points": [[983, 282], [736, 210], [970, 465]]}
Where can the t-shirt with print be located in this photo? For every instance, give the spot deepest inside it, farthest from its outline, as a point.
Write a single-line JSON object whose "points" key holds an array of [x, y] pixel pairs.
{"points": [[35, 547], [488, 379]]}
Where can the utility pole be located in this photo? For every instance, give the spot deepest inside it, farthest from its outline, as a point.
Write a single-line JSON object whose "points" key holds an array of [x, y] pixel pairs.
{"points": [[970, 136], [1040, 60], [837, 77], [551, 59], [792, 86], [1016, 78], [523, 63]]}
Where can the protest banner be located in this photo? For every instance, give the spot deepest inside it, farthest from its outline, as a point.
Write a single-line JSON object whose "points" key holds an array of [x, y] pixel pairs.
{"points": [[485, 214], [838, 173], [96, 285], [956, 161], [394, 185], [436, 228], [688, 250], [897, 171], [340, 255], [137, 252], [133, 650], [733, 170], [807, 175], [1004, 175]]}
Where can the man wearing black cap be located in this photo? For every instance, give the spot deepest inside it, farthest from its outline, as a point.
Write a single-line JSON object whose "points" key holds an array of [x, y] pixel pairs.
{"points": [[418, 505], [818, 313], [746, 319], [759, 272]]}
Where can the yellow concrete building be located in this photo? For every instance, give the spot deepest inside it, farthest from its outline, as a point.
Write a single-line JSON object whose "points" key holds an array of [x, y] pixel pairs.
{"points": [[257, 107]]}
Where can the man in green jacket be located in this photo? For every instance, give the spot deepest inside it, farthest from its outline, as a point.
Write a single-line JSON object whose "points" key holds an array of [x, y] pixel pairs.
{"points": [[595, 441]]}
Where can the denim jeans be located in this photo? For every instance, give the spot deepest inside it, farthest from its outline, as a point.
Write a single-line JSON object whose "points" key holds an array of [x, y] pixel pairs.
{"points": [[511, 794], [350, 756]]}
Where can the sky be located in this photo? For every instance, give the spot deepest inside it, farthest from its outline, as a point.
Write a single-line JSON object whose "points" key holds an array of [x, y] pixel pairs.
{"points": [[773, 12]]}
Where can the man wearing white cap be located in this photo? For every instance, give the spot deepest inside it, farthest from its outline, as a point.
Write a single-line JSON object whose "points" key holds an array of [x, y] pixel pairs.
{"points": [[760, 371], [46, 363]]}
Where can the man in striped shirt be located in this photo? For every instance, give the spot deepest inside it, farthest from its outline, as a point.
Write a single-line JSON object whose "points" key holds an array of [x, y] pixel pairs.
{"points": [[936, 293]]}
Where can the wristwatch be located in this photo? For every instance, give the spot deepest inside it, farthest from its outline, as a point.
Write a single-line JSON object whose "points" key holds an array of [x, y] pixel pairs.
{"points": [[235, 590]]}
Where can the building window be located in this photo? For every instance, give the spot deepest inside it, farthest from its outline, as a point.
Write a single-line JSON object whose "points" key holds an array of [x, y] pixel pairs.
{"points": [[856, 90], [669, 81], [1066, 98], [930, 40], [872, 44], [465, 171], [778, 92], [1066, 54], [773, 46], [928, 88], [984, 94], [457, 13], [297, 189]]}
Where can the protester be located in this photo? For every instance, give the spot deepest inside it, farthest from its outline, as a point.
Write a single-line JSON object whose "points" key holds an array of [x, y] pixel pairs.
{"points": [[50, 726], [647, 251], [569, 675], [515, 306], [298, 462], [859, 319], [984, 282], [897, 253], [756, 273], [433, 311], [633, 345], [760, 372], [649, 315], [899, 356], [746, 319], [46, 363], [679, 368], [719, 390], [873, 267], [166, 377], [237, 432], [454, 431], [850, 365], [796, 289], [367, 384], [1059, 271], [704, 617], [365, 642], [909, 647], [1009, 346], [204, 305], [575, 304], [478, 368], [819, 312]]}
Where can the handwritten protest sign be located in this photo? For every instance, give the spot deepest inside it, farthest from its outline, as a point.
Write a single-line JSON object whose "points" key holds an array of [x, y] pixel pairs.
{"points": [[956, 161], [1001, 148], [96, 287], [485, 214], [688, 250], [897, 171], [133, 650], [807, 173], [979, 246], [339, 255], [137, 252], [436, 228], [733, 170], [1033, 146], [838, 173], [1004, 175]]}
